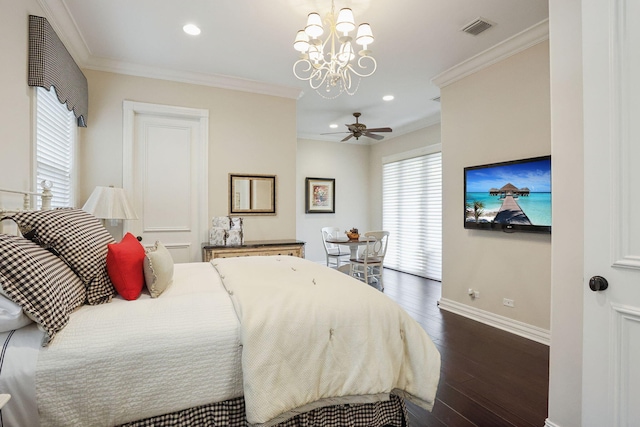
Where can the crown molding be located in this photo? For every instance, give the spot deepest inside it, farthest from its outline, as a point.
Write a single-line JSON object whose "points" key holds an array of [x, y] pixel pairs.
{"points": [[67, 30], [203, 79], [65, 27], [531, 36]]}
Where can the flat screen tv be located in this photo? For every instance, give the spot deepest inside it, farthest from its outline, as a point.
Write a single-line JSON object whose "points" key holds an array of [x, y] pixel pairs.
{"points": [[509, 196]]}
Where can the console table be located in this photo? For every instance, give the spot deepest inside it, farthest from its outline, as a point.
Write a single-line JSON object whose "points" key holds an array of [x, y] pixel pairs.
{"points": [[254, 248]]}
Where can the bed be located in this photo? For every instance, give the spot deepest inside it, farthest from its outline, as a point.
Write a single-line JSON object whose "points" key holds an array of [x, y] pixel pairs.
{"points": [[261, 341]]}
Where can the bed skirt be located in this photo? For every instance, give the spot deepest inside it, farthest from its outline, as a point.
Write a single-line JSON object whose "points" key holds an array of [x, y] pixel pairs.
{"points": [[231, 413]]}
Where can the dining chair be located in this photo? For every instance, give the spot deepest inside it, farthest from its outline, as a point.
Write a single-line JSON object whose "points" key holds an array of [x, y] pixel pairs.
{"points": [[335, 255], [369, 265]]}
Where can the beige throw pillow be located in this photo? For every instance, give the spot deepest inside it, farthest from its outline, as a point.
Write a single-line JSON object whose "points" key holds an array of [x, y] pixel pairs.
{"points": [[158, 269]]}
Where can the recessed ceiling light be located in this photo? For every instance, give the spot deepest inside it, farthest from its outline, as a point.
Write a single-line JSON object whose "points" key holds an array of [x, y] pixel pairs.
{"points": [[388, 98], [191, 29], [333, 126]]}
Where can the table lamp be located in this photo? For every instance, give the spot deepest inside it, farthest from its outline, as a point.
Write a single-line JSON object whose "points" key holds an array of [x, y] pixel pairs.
{"points": [[110, 203]]}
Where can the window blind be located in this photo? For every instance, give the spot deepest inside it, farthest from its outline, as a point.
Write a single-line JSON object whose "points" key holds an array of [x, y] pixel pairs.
{"points": [[412, 213], [55, 142]]}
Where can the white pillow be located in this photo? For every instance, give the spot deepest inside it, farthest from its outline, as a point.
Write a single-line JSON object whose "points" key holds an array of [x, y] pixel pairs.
{"points": [[11, 315]]}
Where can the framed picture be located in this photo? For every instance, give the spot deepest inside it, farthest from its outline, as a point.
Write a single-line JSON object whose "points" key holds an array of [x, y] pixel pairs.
{"points": [[320, 195]]}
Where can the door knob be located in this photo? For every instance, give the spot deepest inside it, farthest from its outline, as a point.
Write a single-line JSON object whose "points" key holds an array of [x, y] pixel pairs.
{"points": [[598, 283], [139, 238]]}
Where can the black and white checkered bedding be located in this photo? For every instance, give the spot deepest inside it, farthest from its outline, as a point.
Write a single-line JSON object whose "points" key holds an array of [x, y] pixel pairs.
{"points": [[231, 413], [42, 284], [79, 239]]}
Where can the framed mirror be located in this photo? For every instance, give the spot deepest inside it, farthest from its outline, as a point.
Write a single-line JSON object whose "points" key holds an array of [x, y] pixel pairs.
{"points": [[252, 194]]}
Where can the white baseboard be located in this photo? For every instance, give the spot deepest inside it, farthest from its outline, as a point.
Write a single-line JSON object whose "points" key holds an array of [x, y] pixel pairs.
{"points": [[548, 423], [516, 327]]}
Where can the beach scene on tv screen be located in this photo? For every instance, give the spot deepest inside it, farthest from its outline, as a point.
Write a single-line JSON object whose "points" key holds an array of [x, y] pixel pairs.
{"points": [[513, 193]]}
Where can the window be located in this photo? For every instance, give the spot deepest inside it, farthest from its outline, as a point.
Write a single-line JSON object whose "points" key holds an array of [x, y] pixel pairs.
{"points": [[55, 146], [412, 212]]}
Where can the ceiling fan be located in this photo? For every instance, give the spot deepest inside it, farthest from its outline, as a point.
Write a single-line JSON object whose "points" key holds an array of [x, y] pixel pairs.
{"points": [[360, 129]]}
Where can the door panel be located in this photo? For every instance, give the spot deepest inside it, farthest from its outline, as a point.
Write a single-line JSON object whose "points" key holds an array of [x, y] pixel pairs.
{"points": [[611, 377], [167, 177]]}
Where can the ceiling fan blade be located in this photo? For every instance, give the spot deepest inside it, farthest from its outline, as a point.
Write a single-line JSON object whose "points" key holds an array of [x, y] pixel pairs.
{"points": [[332, 133], [380, 130], [347, 138], [373, 135]]}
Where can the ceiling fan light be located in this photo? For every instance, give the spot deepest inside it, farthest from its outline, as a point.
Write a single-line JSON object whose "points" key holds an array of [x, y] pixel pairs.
{"points": [[364, 36], [345, 22], [314, 27], [301, 43]]}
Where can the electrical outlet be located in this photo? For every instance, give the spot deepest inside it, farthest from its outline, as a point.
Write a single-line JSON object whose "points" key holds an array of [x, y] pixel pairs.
{"points": [[508, 302]]}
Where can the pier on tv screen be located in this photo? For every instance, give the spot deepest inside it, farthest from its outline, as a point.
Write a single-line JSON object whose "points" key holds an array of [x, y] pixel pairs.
{"points": [[509, 196]]}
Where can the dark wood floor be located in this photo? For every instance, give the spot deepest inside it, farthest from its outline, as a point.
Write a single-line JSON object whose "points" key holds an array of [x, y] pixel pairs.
{"points": [[489, 377]]}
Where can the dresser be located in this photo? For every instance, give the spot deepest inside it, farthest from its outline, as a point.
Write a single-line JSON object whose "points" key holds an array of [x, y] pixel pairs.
{"points": [[254, 248]]}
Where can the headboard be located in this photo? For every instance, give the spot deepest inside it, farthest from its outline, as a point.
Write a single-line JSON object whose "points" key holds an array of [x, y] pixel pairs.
{"points": [[46, 195]]}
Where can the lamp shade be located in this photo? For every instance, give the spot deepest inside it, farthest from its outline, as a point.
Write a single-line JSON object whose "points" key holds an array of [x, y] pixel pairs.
{"points": [[345, 22], [109, 203], [301, 43], [364, 36], [314, 25]]}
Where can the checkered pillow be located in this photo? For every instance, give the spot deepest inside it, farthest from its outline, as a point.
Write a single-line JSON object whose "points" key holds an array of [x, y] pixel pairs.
{"points": [[40, 282], [79, 239]]}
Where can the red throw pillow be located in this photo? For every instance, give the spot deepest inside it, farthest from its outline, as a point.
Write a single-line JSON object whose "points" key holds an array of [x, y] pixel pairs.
{"points": [[125, 266]]}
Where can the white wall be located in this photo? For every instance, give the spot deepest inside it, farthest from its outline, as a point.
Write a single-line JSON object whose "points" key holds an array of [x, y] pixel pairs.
{"points": [[349, 165], [565, 359], [498, 113], [248, 133]]}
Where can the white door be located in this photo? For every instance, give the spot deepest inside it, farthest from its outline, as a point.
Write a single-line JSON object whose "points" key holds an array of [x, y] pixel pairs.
{"points": [[165, 164], [611, 352]]}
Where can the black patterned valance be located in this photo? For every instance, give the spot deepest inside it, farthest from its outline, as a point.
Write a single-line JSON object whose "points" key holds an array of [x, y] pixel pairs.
{"points": [[50, 64]]}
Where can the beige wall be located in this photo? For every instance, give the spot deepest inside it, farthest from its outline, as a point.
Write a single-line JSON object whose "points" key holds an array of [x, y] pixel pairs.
{"points": [[496, 114], [16, 105], [248, 133]]}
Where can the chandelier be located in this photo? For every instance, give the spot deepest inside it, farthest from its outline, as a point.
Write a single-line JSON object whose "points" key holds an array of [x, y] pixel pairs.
{"points": [[331, 63]]}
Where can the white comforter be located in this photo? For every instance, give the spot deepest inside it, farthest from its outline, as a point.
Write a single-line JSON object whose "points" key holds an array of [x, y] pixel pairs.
{"points": [[129, 360], [312, 336]]}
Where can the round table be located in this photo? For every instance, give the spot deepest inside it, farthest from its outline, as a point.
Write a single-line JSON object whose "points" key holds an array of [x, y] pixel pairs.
{"points": [[352, 244]]}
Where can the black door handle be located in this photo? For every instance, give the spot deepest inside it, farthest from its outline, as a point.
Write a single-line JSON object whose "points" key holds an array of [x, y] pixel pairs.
{"points": [[139, 238], [598, 283]]}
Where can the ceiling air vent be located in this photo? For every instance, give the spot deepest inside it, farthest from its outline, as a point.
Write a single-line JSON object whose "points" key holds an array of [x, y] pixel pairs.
{"points": [[477, 26]]}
